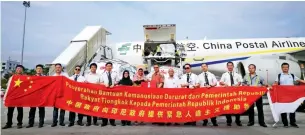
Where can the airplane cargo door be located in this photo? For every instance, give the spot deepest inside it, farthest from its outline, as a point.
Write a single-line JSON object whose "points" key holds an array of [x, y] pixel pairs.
{"points": [[160, 33]]}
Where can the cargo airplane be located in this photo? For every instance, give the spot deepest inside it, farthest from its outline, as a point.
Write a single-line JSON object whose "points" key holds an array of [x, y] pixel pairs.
{"points": [[161, 47], [266, 53]]}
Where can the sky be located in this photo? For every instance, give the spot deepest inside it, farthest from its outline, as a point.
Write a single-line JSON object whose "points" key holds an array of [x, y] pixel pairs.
{"points": [[50, 26]]}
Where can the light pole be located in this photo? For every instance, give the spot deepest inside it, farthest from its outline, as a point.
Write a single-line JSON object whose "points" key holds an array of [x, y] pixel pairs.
{"points": [[26, 4]]}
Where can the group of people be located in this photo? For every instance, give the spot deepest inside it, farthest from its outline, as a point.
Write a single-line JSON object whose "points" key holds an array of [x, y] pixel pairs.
{"points": [[189, 80]]}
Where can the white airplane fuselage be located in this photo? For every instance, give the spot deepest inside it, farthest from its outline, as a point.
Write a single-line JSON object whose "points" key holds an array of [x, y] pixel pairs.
{"points": [[267, 54]]}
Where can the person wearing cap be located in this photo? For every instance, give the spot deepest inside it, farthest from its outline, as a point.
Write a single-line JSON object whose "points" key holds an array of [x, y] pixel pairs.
{"points": [[10, 111], [39, 70], [59, 72], [78, 78]]}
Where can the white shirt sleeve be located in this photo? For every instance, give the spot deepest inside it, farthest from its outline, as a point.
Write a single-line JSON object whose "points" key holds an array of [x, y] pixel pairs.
{"points": [[239, 79], [214, 80], [276, 79], [7, 88], [81, 79], [296, 78], [117, 78], [199, 80], [71, 77], [65, 74], [222, 79], [182, 80], [195, 79], [101, 78]]}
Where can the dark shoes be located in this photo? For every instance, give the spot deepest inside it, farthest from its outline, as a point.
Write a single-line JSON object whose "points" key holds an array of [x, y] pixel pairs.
{"points": [[6, 127], [250, 124], [54, 125], [263, 125], [71, 124], [294, 125], [239, 124], [80, 123], [40, 125], [29, 126]]}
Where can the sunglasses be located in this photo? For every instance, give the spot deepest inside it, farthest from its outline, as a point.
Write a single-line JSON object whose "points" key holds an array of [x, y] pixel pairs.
{"points": [[77, 69], [187, 68], [156, 67]]}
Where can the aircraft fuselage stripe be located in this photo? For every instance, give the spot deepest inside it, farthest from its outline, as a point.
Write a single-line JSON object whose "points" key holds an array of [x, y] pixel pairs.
{"points": [[219, 61]]}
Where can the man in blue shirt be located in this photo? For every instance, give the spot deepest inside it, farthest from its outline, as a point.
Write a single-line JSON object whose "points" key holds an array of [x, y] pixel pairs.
{"points": [[286, 78]]}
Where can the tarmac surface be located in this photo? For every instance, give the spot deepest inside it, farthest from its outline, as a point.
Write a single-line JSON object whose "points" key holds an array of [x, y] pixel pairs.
{"points": [[149, 129]]}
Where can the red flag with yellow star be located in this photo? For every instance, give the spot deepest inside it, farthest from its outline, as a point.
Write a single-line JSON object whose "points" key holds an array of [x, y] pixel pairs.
{"points": [[32, 91]]}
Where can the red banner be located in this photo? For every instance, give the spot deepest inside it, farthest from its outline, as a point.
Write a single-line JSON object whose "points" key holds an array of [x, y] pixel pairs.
{"points": [[131, 103]]}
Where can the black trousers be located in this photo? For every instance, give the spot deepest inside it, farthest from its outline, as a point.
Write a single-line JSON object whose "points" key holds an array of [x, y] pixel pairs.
{"points": [[213, 120], [260, 111], [105, 121], [125, 122], [89, 119], [10, 113], [61, 116], [72, 117], [229, 118], [291, 118], [32, 115], [81, 116]]}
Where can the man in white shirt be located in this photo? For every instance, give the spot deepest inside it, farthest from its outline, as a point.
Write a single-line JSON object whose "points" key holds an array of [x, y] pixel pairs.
{"points": [[110, 79], [171, 81], [59, 72], [207, 79], [231, 78], [79, 78], [10, 110], [95, 78], [188, 80]]}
